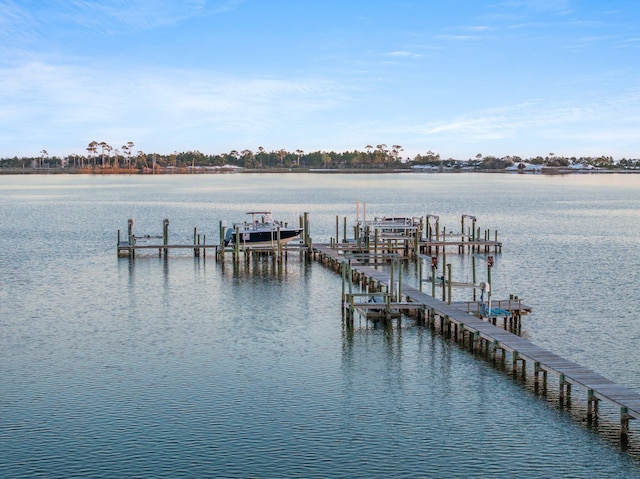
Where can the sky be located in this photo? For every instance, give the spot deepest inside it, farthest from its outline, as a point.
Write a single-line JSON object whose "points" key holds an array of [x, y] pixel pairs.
{"points": [[454, 77]]}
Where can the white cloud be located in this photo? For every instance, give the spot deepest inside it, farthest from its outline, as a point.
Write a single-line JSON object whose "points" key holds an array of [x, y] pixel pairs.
{"points": [[84, 104], [403, 54], [460, 38]]}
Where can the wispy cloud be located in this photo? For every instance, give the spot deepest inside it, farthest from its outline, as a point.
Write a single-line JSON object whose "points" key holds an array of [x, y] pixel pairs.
{"points": [[479, 28], [135, 14], [83, 101], [105, 16], [403, 54], [460, 38], [539, 118]]}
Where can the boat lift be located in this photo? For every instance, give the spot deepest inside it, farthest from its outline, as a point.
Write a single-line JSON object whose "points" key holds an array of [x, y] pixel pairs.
{"points": [[486, 311]]}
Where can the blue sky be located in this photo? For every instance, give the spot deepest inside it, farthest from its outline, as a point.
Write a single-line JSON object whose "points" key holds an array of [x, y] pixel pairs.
{"points": [[457, 77]]}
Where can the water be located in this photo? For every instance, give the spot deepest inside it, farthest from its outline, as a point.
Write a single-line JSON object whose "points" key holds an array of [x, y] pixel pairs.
{"points": [[191, 368]]}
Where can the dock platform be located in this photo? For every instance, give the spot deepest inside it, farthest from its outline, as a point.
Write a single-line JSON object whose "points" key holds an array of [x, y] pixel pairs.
{"points": [[457, 320]]}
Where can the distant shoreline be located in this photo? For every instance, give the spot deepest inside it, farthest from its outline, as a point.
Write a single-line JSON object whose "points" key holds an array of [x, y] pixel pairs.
{"points": [[227, 171]]}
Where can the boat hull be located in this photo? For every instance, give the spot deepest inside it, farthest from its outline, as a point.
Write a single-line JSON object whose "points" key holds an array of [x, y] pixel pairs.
{"points": [[263, 238]]}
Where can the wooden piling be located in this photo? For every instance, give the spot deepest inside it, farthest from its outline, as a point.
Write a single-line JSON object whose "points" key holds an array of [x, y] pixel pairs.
{"points": [[165, 236]]}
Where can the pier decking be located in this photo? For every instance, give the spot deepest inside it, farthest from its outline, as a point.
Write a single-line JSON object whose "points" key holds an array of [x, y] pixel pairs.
{"points": [[481, 334]]}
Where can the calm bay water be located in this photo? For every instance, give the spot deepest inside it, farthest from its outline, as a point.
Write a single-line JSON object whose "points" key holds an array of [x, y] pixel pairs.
{"points": [[192, 368]]}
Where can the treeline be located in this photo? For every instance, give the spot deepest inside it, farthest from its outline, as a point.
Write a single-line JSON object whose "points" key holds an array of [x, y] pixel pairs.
{"points": [[101, 156], [551, 160]]}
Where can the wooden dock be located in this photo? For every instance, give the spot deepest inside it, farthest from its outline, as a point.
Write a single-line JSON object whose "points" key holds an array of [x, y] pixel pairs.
{"points": [[463, 322], [133, 243], [456, 321]]}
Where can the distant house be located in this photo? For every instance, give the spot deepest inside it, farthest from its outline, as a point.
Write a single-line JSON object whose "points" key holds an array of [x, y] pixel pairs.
{"points": [[581, 166], [525, 167], [425, 167]]}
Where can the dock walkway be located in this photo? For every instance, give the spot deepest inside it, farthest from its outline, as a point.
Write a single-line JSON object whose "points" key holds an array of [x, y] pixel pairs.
{"points": [[480, 332]]}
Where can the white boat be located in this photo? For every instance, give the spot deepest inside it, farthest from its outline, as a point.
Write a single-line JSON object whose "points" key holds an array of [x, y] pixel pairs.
{"points": [[261, 231], [391, 225]]}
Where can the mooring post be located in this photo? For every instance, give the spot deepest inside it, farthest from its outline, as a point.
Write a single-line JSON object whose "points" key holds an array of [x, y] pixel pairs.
{"points": [[434, 272], [195, 237], [223, 227], [375, 241], [564, 389], [591, 402], [302, 224], [444, 259], [132, 239], [392, 278], [473, 231], [624, 423], [130, 230], [461, 246], [344, 281], [344, 231], [278, 244], [444, 274], [400, 284], [236, 245], [476, 338], [165, 234], [449, 283], [307, 230], [473, 275]]}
